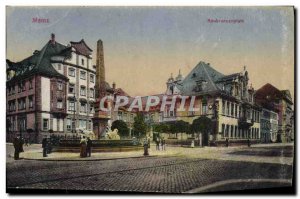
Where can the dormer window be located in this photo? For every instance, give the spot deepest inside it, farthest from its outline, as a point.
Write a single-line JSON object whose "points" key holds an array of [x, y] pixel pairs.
{"points": [[200, 85]]}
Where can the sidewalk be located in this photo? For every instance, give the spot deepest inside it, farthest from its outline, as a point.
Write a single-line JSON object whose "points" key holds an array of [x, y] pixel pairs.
{"points": [[219, 153]]}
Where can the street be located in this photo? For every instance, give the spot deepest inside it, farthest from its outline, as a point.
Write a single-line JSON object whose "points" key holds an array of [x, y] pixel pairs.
{"points": [[163, 174]]}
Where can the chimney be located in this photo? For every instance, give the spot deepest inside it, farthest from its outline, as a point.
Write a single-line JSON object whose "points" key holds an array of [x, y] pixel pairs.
{"points": [[52, 38], [114, 85], [100, 70]]}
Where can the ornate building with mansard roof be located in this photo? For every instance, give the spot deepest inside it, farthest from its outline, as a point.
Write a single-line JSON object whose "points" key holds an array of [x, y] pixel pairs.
{"points": [[226, 99]]}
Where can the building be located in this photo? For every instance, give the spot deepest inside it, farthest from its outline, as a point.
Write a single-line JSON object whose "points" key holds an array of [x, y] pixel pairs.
{"points": [[226, 99], [51, 91], [279, 101], [268, 126]]}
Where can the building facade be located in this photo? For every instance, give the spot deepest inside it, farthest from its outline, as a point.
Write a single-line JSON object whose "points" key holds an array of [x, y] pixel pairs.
{"points": [[51, 92], [226, 99], [279, 101], [268, 126]]}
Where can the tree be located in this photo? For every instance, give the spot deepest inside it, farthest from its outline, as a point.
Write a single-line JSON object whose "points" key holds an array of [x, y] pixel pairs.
{"points": [[122, 127], [139, 125], [203, 125], [161, 128], [179, 127]]}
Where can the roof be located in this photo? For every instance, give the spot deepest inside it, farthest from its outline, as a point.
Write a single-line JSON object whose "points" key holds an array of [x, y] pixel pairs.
{"points": [[38, 63], [268, 94], [82, 48], [203, 72], [229, 77], [121, 92]]}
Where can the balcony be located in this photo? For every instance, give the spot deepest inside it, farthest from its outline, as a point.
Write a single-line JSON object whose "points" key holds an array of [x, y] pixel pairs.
{"points": [[102, 115], [245, 122]]}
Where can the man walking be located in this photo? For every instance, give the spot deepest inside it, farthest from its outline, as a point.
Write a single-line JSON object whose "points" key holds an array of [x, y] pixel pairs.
{"points": [[16, 144], [157, 143], [148, 140], [163, 144], [45, 146], [89, 147], [83, 147]]}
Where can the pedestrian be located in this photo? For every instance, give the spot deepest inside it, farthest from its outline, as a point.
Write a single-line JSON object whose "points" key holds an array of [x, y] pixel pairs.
{"points": [[16, 144], [148, 140], [227, 142], [163, 144], [26, 142], [89, 147], [45, 146], [83, 147], [157, 143], [249, 143], [21, 143], [49, 146], [146, 152]]}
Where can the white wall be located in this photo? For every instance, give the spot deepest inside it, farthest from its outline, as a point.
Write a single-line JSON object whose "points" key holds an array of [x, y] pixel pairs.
{"points": [[54, 128], [45, 95]]}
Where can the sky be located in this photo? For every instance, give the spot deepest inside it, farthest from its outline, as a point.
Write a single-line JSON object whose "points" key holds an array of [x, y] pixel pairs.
{"points": [[144, 45]]}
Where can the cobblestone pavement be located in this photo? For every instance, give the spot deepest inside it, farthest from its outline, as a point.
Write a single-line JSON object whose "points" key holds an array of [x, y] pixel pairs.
{"points": [[145, 174]]}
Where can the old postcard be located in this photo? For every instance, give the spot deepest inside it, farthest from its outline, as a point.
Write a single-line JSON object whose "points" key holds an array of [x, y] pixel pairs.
{"points": [[150, 100]]}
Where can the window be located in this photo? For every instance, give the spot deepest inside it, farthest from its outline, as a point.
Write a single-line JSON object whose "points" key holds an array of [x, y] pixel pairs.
{"points": [[30, 84], [45, 124], [71, 106], [19, 87], [82, 124], [83, 107], [125, 117], [23, 86], [30, 98], [92, 78], [22, 124], [232, 109], [223, 107], [72, 72], [69, 124], [58, 66], [13, 89], [171, 113], [204, 108], [90, 125], [91, 93], [91, 108], [22, 103], [71, 88], [120, 116], [223, 129], [131, 118], [59, 104], [82, 75], [82, 91], [60, 86], [82, 61], [12, 105], [227, 108]]}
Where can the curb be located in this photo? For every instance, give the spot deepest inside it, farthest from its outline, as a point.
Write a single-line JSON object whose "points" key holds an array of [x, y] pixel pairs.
{"points": [[85, 159]]}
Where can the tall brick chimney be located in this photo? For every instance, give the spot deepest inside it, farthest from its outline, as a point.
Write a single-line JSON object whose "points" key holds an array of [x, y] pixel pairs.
{"points": [[100, 70], [52, 38]]}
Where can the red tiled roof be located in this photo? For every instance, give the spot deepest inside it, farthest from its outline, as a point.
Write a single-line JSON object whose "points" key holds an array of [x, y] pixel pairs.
{"points": [[81, 47]]}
